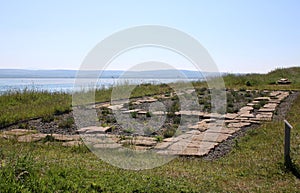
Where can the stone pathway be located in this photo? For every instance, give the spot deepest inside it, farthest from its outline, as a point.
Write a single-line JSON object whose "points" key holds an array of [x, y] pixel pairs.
{"points": [[199, 140]]}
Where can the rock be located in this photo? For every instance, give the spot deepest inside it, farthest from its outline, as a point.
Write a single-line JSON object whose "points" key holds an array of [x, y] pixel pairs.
{"points": [[149, 100], [270, 105], [231, 121], [18, 132], [212, 137], [190, 113], [264, 116], [224, 130], [247, 115], [231, 115], [159, 113], [262, 99], [266, 109], [142, 112], [31, 137], [92, 130], [246, 109], [132, 111], [115, 107], [213, 116], [239, 125]]}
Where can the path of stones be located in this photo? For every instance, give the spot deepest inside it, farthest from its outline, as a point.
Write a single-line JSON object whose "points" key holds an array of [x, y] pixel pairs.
{"points": [[199, 140]]}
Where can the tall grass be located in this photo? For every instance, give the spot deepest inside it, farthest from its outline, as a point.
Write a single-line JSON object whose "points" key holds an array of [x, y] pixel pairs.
{"points": [[28, 103]]}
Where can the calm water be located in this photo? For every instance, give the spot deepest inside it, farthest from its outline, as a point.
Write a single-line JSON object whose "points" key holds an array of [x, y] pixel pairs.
{"points": [[66, 84]]}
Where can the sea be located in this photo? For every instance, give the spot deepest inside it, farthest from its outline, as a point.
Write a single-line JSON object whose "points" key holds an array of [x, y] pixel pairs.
{"points": [[68, 84]]}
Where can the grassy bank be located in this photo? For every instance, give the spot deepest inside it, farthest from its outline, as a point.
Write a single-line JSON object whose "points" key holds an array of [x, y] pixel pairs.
{"points": [[265, 81]]}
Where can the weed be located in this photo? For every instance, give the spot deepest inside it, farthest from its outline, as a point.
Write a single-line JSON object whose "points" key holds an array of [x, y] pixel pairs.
{"points": [[67, 123]]}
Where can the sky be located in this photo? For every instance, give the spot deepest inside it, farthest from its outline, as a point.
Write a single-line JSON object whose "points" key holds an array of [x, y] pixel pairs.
{"points": [[240, 35]]}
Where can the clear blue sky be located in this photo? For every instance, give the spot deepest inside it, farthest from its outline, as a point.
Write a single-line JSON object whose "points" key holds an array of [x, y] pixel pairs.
{"points": [[241, 35]]}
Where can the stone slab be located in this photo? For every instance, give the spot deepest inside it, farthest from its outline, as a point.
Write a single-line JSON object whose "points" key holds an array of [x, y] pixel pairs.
{"points": [[31, 137]]}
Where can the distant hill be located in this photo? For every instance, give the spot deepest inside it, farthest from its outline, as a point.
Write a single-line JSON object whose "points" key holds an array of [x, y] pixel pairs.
{"points": [[164, 74]]}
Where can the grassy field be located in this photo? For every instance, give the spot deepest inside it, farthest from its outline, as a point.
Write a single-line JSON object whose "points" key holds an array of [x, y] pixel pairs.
{"points": [[254, 165]]}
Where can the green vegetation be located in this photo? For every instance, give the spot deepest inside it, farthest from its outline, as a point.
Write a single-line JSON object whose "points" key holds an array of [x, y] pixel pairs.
{"points": [[254, 165], [266, 81], [23, 105]]}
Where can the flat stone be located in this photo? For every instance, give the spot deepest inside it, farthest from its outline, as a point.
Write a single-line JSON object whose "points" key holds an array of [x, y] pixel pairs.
{"points": [[266, 109], [246, 109], [231, 121], [190, 151], [274, 93], [239, 125], [264, 117], [203, 149], [262, 99], [31, 137], [270, 105], [247, 115], [142, 112], [72, 143], [213, 116], [210, 137], [93, 129], [18, 132], [150, 100], [116, 107], [131, 111], [102, 105], [224, 130], [159, 113], [190, 113], [231, 115]]}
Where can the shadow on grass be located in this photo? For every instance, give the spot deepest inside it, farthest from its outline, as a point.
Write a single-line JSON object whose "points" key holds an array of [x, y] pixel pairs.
{"points": [[292, 167]]}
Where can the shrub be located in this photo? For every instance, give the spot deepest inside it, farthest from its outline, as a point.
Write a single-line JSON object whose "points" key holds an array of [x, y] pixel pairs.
{"points": [[170, 132]]}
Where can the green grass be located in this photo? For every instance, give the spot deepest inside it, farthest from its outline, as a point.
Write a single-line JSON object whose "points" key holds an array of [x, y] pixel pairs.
{"points": [[23, 105], [254, 165], [265, 81]]}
